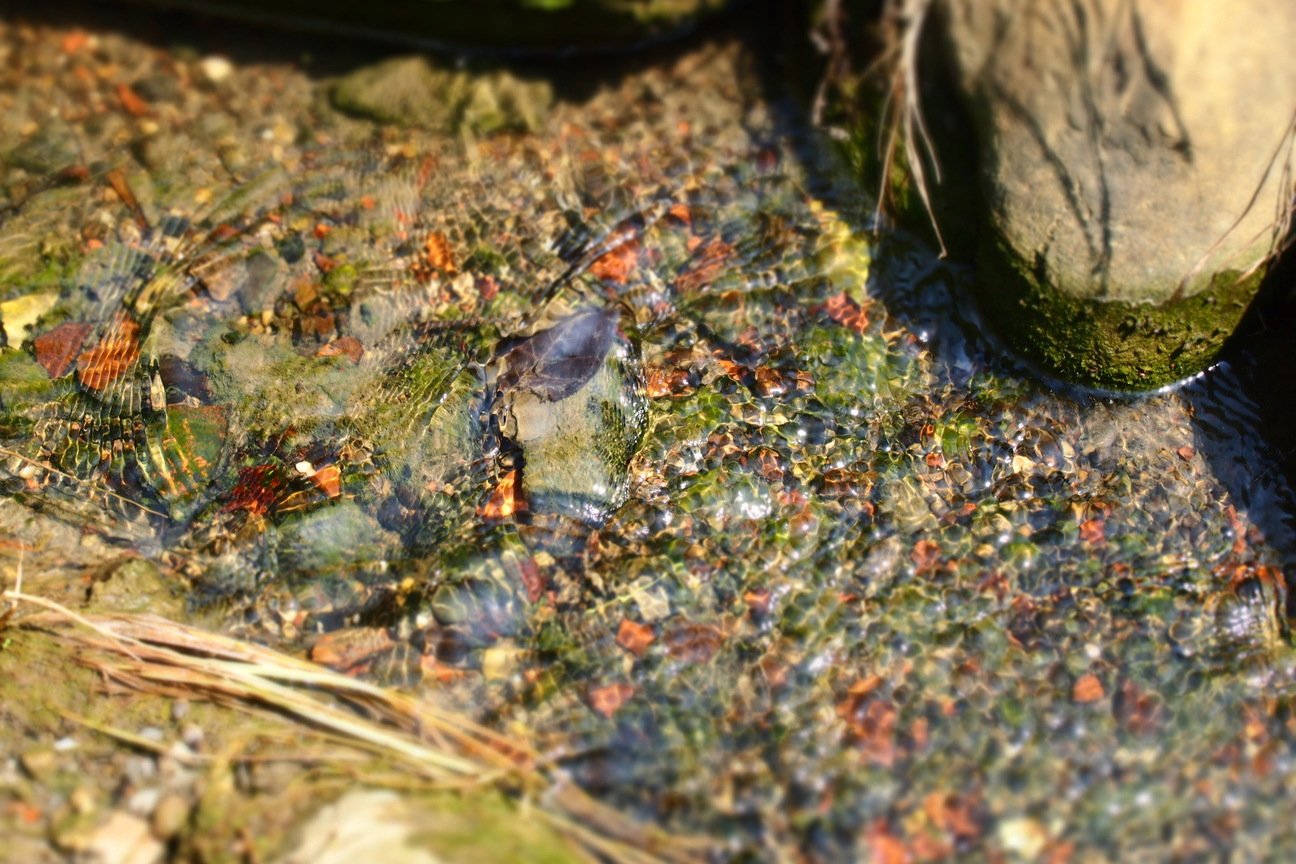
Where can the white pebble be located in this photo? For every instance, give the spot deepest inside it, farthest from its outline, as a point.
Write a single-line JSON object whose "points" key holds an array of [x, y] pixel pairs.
{"points": [[216, 69]]}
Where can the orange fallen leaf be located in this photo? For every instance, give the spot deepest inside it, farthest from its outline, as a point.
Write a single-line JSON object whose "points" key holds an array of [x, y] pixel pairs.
{"points": [[769, 464], [846, 312], [1060, 852], [73, 42], [533, 581], [121, 187], [348, 345], [708, 263], [1087, 689], [926, 555], [113, 355], [952, 813], [344, 650], [257, 490], [635, 637], [505, 500], [438, 671], [221, 233], [131, 101], [607, 700], [759, 600], [872, 723], [618, 264], [438, 255], [694, 643], [28, 813], [1137, 711], [657, 383], [55, 349], [732, 369], [328, 480], [886, 848], [864, 686], [1093, 531], [772, 383], [426, 169]]}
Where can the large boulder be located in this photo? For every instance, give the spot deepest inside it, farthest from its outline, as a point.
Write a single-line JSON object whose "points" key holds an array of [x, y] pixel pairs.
{"points": [[1135, 165], [541, 26]]}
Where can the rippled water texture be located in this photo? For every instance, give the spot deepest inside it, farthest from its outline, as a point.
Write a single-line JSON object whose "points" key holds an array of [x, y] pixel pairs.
{"points": [[630, 433]]}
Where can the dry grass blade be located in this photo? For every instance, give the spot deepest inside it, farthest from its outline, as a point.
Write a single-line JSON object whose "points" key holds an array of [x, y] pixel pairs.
{"points": [[253, 665], [156, 656], [906, 126]]}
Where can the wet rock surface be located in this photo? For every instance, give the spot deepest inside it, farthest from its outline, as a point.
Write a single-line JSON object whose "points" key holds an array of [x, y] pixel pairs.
{"points": [[623, 435]]}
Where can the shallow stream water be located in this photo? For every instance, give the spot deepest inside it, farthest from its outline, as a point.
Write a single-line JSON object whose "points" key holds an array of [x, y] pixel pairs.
{"points": [[620, 424]]}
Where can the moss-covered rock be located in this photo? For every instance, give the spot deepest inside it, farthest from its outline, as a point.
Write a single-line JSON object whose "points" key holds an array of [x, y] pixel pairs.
{"points": [[1114, 345], [1125, 159]]}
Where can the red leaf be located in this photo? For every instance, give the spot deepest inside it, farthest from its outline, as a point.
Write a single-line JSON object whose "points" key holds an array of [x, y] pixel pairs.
{"points": [[532, 580], [55, 349], [256, 490]]}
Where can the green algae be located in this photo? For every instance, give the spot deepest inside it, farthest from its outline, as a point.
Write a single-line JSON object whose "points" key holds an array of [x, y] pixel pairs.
{"points": [[1106, 344]]}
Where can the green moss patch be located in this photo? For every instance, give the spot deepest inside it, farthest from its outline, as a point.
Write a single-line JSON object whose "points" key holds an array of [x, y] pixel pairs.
{"points": [[1109, 345]]}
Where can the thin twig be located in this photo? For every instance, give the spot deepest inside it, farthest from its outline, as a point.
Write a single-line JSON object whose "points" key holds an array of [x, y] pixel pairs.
{"points": [[79, 482]]}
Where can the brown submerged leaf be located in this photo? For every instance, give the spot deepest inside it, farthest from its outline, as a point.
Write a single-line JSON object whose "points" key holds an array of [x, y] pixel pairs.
{"points": [[55, 349]]}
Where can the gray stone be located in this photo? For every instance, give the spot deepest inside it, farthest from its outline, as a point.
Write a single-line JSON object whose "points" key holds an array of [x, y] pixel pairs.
{"points": [[410, 91]]}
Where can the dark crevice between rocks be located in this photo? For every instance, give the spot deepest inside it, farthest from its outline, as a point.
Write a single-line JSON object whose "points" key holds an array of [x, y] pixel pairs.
{"points": [[322, 53], [921, 292], [1245, 410]]}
